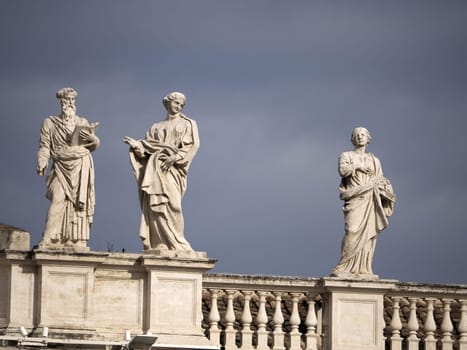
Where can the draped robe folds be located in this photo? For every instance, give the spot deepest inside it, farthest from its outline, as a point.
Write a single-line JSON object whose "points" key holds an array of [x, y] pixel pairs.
{"points": [[369, 201], [70, 183], [160, 191]]}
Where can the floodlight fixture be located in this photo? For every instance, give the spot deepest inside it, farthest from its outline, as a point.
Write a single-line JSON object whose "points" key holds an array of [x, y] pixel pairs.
{"points": [[45, 332], [23, 331], [127, 335], [142, 342]]}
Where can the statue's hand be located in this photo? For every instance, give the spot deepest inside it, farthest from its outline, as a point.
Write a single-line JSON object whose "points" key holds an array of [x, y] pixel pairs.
{"points": [[365, 169], [40, 170], [130, 141], [88, 137]]}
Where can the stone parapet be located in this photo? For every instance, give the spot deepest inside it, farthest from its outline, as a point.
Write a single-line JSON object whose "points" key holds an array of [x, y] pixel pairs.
{"points": [[299, 313], [103, 297]]}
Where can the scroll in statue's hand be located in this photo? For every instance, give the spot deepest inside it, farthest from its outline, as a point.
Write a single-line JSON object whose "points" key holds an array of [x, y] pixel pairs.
{"points": [[386, 191]]}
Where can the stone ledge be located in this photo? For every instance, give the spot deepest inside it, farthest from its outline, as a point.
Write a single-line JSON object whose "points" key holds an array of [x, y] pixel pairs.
{"points": [[13, 238]]}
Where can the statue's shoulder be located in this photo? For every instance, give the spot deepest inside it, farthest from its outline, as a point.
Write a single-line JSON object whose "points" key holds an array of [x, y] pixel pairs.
{"points": [[347, 155], [375, 159], [372, 155], [50, 121], [189, 120]]}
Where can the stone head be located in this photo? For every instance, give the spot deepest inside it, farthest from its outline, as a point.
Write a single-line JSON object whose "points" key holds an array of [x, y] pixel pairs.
{"points": [[67, 98], [174, 96], [359, 132]]}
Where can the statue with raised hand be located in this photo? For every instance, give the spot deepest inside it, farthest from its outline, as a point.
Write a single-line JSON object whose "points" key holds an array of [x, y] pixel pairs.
{"points": [[160, 163]]}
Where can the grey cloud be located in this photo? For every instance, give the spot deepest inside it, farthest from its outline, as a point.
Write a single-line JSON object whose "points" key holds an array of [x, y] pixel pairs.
{"points": [[276, 90]]}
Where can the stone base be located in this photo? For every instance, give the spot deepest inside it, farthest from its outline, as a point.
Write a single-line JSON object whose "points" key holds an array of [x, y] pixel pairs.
{"points": [[13, 238], [183, 254], [351, 276], [69, 249], [354, 315]]}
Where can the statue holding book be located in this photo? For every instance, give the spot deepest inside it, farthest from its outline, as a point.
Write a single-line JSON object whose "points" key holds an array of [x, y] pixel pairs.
{"points": [[67, 140]]}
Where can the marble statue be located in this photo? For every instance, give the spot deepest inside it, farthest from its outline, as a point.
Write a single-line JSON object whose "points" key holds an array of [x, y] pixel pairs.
{"points": [[369, 200], [160, 163], [68, 140]]}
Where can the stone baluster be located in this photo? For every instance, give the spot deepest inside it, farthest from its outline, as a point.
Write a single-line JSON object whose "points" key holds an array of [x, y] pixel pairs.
{"points": [[229, 319], [294, 321], [246, 319], [261, 321], [446, 326], [396, 325], [462, 328], [214, 318], [430, 325], [278, 320], [311, 323], [325, 322], [412, 325]]}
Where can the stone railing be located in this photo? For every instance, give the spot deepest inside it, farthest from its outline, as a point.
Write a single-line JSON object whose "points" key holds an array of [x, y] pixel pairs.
{"points": [[264, 312], [429, 317]]}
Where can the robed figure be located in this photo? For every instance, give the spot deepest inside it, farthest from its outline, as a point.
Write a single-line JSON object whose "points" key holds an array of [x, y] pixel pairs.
{"points": [[160, 163], [369, 201], [67, 140]]}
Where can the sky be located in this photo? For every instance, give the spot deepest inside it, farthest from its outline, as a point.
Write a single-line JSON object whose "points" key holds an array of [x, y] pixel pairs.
{"points": [[276, 88]]}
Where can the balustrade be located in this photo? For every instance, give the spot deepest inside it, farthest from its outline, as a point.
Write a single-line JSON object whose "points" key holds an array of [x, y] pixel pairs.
{"points": [[263, 314], [280, 313], [428, 318]]}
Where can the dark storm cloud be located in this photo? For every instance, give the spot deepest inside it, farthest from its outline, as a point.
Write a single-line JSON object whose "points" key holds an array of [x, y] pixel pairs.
{"points": [[276, 90]]}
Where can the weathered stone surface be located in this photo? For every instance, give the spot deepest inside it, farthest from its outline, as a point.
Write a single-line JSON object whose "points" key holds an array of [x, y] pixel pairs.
{"points": [[13, 238]]}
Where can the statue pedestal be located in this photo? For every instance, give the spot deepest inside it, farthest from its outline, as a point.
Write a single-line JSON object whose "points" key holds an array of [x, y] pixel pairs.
{"points": [[65, 284], [102, 298], [174, 292], [354, 315]]}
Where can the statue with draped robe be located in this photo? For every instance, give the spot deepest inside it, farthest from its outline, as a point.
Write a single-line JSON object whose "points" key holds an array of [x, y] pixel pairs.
{"points": [[68, 140], [160, 164], [368, 202]]}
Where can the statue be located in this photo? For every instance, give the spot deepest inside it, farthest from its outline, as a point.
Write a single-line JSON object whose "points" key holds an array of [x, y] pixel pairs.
{"points": [[369, 201], [160, 163], [68, 140]]}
